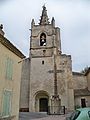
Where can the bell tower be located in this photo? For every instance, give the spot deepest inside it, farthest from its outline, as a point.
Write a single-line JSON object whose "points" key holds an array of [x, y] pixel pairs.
{"points": [[44, 37], [49, 69]]}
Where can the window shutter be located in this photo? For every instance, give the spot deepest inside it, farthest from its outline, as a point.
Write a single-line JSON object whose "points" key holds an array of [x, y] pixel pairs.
{"points": [[9, 68], [6, 103]]}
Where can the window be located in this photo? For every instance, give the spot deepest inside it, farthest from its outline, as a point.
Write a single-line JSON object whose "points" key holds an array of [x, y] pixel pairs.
{"points": [[9, 68], [42, 62], [89, 113], [44, 51], [43, 39], [6, 103], [74, 115]]}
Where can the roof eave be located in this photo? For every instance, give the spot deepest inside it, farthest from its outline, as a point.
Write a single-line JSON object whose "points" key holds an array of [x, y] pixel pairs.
{"points": [[11, 47]]}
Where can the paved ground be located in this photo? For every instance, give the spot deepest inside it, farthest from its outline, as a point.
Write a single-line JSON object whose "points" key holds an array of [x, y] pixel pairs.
{"points": [[52, 117], [40, 116], [30, 116]]}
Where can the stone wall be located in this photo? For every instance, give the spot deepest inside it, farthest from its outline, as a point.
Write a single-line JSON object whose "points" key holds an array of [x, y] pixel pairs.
{"points": [[65, 82], [78, 101], [88, 80], [81, 89], [42, 71], [80, 81], [40, 78], [25, 86]]}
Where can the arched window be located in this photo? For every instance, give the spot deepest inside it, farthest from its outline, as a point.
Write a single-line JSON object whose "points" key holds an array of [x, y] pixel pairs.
{"points": [[43, 39]]}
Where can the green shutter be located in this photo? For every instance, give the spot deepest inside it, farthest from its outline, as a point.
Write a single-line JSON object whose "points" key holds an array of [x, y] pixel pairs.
{"points": [[9, 68], [6, 103]]}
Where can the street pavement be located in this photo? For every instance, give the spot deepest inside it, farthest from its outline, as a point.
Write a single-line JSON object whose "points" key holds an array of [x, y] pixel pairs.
{"points": [[31, 115], [40, 116], [52, 117]]}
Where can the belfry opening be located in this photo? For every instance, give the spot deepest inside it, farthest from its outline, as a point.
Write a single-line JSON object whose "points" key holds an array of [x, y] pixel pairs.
{"points": [[43, 39]]}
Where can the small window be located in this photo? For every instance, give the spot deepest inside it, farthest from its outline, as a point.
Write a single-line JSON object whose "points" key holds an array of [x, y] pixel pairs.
{"points": [[44, 51], [74, 115], [42, 62]]}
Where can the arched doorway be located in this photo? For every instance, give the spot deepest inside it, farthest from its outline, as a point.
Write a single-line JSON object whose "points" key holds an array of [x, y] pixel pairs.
{"points": [[41, 102]]}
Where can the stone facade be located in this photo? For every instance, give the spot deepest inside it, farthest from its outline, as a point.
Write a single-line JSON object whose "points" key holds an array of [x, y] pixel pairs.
{"points": [[52, 82], [88, 77], [81, 89], [50, 71], [80, 80], [10, 77], [25, 85]]}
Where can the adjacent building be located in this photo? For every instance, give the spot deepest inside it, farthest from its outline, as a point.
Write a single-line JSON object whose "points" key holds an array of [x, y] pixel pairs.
{"points": [[81, 89], [10, 78]]}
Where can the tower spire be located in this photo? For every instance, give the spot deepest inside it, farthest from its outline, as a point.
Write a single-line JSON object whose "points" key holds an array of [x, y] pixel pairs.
{"points": [[44, 17]]}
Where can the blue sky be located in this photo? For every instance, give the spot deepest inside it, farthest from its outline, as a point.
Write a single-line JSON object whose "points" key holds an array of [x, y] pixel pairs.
{"points": [[72, 16]]}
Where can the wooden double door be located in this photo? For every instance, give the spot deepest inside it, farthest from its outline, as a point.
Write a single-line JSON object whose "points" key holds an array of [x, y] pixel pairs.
{"points": [[43, 105]]}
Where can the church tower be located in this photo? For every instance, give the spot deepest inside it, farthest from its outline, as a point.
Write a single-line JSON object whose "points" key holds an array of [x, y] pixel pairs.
{"points": [[43, 37], [51, 83]]}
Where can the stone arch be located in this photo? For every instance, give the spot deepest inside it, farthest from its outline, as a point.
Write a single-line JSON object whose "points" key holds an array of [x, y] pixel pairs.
{"points": [[41, 101]]}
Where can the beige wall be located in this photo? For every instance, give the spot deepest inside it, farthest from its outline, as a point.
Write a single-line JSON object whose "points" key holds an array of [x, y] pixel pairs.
{"points": [[10, 85], [80, 81]]}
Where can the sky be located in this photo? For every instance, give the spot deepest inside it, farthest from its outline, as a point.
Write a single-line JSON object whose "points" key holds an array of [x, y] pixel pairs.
{"points": [[71, 16]]}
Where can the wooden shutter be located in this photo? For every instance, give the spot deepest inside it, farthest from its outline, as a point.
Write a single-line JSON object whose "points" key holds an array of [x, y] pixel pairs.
{"points": [[9, 68], [6, 103]]}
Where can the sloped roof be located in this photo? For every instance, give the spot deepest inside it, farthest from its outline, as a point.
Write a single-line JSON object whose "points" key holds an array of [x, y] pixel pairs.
{"points": [[82, 92], [78, 73], [11, 47]]}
